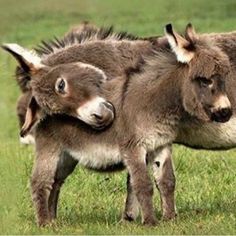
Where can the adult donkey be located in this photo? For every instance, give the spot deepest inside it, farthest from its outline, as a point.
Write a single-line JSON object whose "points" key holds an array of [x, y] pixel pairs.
{"points": [[150, 104]]}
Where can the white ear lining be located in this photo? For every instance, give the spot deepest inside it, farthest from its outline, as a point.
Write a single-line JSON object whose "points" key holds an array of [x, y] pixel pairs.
{"points": [[29, 56], [181, 53]]}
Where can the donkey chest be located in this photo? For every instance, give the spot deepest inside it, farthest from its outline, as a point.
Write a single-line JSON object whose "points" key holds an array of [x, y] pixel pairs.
{"points": [[97, 156], [158, 137], [209, 135]]}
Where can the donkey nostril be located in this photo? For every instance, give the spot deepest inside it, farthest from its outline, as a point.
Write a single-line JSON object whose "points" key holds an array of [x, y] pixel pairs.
{"points": [[223, 115], [108, 106], [98, 117], [225, 112]]}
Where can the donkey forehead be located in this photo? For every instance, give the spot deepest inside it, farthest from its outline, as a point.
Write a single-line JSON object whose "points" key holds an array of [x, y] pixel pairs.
{"points": [[79, 68], [210, 62]]}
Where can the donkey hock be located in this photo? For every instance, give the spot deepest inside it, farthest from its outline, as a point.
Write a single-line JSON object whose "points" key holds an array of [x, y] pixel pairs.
{"points": [[159, 93]]}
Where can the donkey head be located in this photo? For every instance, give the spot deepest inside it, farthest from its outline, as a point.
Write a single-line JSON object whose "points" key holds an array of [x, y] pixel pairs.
{"points": [[203, 91], [73, 89]]}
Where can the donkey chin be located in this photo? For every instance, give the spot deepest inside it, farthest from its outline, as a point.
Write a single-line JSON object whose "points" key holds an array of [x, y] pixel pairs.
{"points": [[98, 113]]}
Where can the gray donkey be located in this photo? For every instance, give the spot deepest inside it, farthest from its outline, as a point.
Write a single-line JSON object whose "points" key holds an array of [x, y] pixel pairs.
{"points": [[83, 31], [192, 131], [150, 102]]}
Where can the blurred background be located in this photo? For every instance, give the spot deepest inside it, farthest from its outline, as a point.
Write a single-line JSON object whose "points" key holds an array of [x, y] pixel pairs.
{"points": [[92, 203]]}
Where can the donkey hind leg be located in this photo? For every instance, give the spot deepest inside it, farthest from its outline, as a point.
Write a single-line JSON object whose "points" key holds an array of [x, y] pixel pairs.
{"points": [[41, 183], [165, 181], [65, 167], [131, 210], [141, 183]]}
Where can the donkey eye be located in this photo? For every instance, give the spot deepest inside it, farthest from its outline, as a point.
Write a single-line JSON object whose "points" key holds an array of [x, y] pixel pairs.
{"points": [[60, 86], [204, 81]]}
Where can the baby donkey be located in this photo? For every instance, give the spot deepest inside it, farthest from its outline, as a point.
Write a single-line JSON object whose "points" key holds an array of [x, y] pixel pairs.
{"points": [[54, 96], [150, 103]]}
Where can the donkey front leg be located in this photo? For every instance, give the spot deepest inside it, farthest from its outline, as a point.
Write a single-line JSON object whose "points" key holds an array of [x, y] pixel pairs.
{"points": [[65, 166], [41, 183], [165, 181], [141, 183], [131, 210]]}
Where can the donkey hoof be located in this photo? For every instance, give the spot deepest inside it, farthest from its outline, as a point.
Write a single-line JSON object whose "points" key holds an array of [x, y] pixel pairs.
{"points": [[43, 223], [127, 216], [169, 216], [150, 222]]}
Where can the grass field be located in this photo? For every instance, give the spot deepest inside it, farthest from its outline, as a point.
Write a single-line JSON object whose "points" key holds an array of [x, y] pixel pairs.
{"points": [[92, 203]]}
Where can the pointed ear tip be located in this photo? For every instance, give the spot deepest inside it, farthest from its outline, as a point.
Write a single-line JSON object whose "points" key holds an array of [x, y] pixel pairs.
{"points": [[189, 26], [9, 46], [5, 46], [22, 133], [169, 29]]}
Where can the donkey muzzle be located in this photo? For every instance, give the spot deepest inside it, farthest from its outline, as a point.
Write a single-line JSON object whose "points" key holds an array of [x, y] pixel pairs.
{"points": [[221, 111], [98, 113], [222, 115], [104, 116]]}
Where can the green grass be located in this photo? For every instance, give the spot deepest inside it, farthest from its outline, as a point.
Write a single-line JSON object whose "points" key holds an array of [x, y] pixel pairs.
{"points": [[92, 203]]}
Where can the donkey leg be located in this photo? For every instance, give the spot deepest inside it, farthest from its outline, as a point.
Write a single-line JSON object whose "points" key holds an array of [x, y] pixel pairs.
{"points": [[165, 181], [53, 199], [141, 183], [65, 167], [131, 210], [41, 183]]}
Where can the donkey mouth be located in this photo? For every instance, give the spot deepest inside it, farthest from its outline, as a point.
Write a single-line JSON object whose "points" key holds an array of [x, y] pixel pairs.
{"points": [[99, 127], [103, 124], [222, 115]]}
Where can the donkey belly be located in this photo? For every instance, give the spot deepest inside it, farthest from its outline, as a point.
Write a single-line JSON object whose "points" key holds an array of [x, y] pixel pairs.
{"points": [[209, 135], [98, 157]]}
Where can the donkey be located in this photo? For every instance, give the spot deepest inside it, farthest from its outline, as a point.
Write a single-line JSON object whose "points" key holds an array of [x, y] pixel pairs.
{"points": [[81, 31], [189, 131], [150, 104], [90, 106], [196, 134]]}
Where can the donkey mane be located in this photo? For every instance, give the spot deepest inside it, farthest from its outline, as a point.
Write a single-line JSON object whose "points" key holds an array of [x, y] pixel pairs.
{"points": [[50, 47], [91, 34]]}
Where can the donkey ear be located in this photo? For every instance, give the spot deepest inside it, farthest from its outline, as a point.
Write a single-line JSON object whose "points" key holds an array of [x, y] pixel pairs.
{"points": [[190, 33], [28, 60], [31, 117], [180, 46]]}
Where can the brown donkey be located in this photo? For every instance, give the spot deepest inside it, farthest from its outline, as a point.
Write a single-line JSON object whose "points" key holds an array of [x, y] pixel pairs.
{"points": [[150, 104], [90, 105], [81, 31]]}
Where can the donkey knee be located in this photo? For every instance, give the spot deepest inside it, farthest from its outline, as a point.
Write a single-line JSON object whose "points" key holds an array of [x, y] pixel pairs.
{"points": [[167, 186], [143, 188]]}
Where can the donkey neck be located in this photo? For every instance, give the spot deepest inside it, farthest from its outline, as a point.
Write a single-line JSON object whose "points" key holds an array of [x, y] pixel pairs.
{"points": [[158, 89]]}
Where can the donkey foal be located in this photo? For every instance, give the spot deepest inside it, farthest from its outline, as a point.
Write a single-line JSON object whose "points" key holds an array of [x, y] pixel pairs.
{"points": [[150, 104]]}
